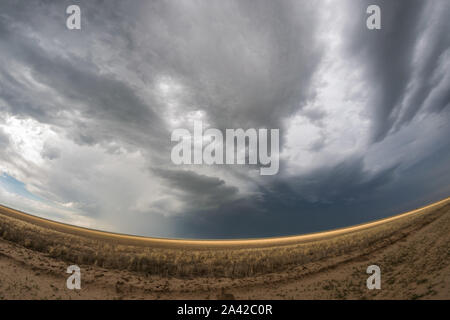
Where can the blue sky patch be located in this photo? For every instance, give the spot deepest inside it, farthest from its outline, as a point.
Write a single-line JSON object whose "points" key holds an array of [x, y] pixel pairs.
{"points": [[13, 185]]}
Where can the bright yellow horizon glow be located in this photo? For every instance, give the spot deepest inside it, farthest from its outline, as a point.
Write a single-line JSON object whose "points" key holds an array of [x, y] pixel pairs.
{"points": [[170, 242]]}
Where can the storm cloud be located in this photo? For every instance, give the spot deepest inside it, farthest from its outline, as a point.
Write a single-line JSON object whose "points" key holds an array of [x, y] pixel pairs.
{"points": [[86, 115]]}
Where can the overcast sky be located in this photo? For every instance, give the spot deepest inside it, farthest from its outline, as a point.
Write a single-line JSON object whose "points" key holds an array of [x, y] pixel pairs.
{"points": [[86, 115]]}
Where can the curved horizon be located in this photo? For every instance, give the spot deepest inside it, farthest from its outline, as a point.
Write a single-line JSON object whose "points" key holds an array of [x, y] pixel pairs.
{"points": [[269, 241]]}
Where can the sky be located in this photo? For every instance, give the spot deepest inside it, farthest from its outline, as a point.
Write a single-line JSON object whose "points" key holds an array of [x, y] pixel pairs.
{"points": [[86, 115]]}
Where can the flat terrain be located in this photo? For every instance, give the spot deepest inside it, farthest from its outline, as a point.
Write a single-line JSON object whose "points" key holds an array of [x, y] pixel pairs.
{"points": [[412, 250]]}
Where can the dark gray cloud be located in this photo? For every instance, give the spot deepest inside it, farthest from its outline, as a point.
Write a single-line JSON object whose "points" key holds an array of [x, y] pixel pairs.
{"points": [[86, 116], [403, 61], [335, 197], [199, 191], [98, 98]]}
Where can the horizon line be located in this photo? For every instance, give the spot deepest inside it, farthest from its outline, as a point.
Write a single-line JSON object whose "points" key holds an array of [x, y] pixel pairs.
{"points": [[69, 228]]}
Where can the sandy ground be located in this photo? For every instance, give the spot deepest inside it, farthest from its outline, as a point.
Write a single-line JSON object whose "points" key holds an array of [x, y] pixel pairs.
{"points": [[415, 264]]}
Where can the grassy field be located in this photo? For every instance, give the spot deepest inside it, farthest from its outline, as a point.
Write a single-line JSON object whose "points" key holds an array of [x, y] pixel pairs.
{"points": [[269, 266], [185, 258]]}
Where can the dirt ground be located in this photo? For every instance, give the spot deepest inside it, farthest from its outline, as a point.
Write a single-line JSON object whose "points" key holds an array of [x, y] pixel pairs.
{"points": [[415, 264]]}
